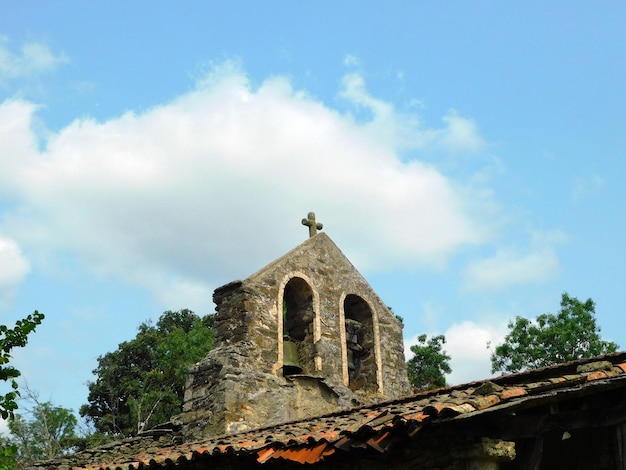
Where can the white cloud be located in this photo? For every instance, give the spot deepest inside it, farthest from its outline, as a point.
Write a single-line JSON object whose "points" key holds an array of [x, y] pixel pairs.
{"points": [[185, 193], [467, 346], [387, 125], [355, 91], [32, 58], [403, 130], [13, 269], [407, 346], [350, 60], [461, 134], [508, 267], [18, 143]]}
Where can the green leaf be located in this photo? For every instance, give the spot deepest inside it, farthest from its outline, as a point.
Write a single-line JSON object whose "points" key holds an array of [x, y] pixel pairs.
{"points": [[427, 368], [10, 338], [551, 339], [141, 384]]}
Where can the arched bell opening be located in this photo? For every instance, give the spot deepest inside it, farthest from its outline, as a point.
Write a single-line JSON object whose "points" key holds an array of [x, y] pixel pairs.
{"points": [[298, 315], [360, 344]]}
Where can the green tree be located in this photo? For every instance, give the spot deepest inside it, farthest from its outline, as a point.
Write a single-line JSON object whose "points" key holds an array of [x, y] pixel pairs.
{"points": [[430, 363], [551, 339], [16, 337], [10, 338], [8, 454], [45, 431], [141, 384]]}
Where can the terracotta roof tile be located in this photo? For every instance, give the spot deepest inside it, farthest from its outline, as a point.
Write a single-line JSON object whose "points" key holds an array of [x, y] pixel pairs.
{"points": [[600, 374], [381, 442], [450, 410], [513, 392], [379, 426], [613, 371], [419, 417], [482, 402], [557, 380], [571, 377]]}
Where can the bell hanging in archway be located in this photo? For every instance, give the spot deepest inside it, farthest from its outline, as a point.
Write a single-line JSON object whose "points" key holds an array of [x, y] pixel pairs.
{"points": [[351, 365], [291, 365]]}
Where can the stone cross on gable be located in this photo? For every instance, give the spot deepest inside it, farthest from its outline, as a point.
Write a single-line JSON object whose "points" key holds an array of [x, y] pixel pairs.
{"points": [[312, 224]]}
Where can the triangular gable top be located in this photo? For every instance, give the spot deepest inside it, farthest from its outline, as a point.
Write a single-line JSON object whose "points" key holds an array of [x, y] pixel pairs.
{"points": [[312, 254], [320, 258], [312, 249]]}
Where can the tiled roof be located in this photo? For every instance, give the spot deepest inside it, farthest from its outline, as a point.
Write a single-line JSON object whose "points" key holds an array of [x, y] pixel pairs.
{"points": [[378, 426]]}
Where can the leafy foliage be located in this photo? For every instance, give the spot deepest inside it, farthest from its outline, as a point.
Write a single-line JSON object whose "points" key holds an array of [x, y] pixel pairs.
{"points": [[427, 368], [48, 432], [551, 339], [10, 338], [8, 455], [141, 384]]}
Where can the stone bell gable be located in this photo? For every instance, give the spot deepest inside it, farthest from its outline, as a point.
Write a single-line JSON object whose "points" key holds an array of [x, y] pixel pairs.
{"points": [[304, 336]]}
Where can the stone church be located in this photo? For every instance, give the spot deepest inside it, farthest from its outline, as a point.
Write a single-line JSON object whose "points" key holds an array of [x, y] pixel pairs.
{"points": [[305, 335], [308, 370]]}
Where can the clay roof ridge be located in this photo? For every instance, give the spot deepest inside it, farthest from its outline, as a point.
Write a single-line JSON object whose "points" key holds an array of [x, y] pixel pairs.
{"points": [[539, 395], [615, 358]]}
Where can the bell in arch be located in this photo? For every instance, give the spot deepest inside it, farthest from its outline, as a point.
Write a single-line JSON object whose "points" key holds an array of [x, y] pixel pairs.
{"points": [[353, 329], [291, 364], [351, 365]]}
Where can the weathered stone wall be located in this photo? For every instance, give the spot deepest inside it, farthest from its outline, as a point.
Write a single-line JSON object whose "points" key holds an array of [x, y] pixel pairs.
{"points": [[392, 356], [240, 384]]}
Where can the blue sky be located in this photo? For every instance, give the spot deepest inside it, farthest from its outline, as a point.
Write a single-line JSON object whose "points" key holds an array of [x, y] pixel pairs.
{"points": [[466, 156]]}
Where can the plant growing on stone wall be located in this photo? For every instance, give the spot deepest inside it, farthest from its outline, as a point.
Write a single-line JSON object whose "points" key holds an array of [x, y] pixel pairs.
{"points": [[141, 384]]}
